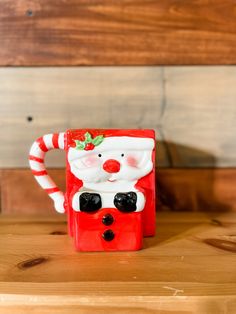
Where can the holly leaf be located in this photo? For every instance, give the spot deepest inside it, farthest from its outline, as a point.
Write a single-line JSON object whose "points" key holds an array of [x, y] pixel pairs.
{"points": [[79, 145], [88, 137], [98, 140]]}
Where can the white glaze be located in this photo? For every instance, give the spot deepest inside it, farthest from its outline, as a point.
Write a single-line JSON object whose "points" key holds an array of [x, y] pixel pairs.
{"points": [[96, 179], [118, 143], [36, 166], [95, 174], [45, 181], [36, 151], [61, 142], [48, 141], [59, 199]]}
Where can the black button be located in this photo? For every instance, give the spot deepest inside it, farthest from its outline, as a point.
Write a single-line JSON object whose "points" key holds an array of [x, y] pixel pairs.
{"points": [[108, 235], [107, 220]]}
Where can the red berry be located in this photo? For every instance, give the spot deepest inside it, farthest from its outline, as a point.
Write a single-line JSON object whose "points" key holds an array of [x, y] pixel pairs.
{"points": [[89, 146]]}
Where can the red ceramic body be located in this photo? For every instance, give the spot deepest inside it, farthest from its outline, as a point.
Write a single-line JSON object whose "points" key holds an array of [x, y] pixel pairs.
{"points": [[89, 229], [127, 229]]}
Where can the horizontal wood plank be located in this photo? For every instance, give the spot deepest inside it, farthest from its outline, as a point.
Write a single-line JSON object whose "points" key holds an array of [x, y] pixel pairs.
{"points": [[195, 189], [124, 32], [38, 101], [200, 116], [179, 269], [19, 188], [177, 189], [192, 109], [116, 305]]}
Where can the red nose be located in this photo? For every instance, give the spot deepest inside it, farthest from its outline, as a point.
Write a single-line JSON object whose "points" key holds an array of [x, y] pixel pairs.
{"points": [[111, 166]]}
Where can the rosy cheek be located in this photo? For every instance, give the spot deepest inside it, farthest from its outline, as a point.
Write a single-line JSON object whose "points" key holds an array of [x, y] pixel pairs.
{"points": [[91, 161], [132, 161]]}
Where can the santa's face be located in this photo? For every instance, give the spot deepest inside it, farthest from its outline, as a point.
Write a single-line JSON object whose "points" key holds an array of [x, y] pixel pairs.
{"points": [[112, 164]]}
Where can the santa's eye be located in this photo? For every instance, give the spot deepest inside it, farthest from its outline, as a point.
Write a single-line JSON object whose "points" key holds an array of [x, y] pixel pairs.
{"points": [[99, 155], [122, 155]]}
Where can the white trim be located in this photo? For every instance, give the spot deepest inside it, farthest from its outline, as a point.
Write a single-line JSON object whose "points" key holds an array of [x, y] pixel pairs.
{"points": [[48, 141], [36, 166], [45, 181], [116, 143], [61, 141], [36, 151], [58, 198]]}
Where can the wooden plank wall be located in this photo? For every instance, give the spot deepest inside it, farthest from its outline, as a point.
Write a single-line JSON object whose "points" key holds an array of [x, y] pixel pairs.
{"points": [[191, 108], [177, 190], [121, 32]]}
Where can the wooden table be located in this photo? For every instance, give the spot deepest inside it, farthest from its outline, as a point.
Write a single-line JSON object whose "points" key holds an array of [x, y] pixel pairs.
{"points": [[189, 267]]}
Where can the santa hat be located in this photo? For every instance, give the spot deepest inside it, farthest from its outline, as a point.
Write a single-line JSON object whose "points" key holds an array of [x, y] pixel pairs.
{"points": [[105, 141]]}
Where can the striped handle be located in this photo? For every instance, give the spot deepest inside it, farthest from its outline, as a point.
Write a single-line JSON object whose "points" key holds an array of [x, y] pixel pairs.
{"points": [[37, 165]]}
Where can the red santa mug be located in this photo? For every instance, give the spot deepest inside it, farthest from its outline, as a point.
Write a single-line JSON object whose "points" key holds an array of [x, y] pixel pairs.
{"points": [[110, 185]]}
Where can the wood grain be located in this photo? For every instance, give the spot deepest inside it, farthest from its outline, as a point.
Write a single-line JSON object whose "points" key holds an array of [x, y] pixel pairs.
{"points": [[174, 273], [195, 189], [178, 190], [124, 32], [192, 109], [200, 115], [140, 305], [20, 190], [57, 99]]}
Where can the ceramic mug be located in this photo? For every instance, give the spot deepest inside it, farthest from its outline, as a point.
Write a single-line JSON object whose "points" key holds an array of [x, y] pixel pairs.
{"points": [[110, 185]]}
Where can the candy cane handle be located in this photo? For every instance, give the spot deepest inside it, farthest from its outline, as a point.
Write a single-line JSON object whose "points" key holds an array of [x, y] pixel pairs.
{"points": [[37, 164]]}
